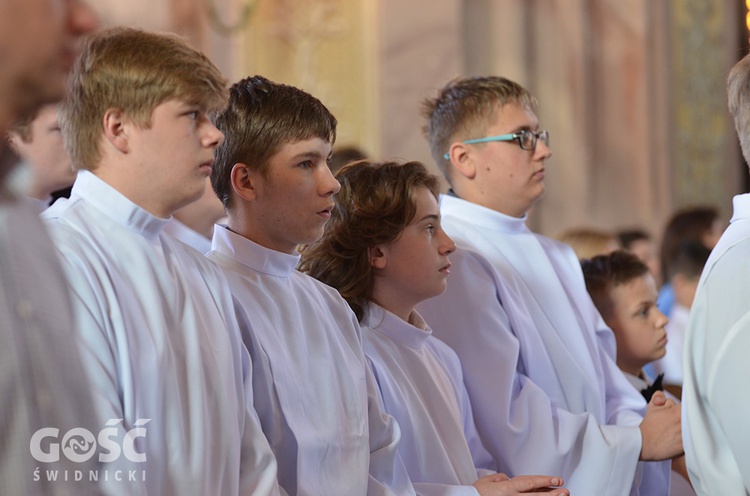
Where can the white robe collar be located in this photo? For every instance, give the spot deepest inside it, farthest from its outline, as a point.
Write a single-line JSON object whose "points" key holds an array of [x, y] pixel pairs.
{"points": [[741, 206], [116, 206], [412, 334], [482, 216], [250, 254], [39, 205], [189, 236]]}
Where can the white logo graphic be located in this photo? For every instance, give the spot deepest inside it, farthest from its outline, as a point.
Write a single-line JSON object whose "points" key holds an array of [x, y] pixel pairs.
{"points": [[79, 444]]}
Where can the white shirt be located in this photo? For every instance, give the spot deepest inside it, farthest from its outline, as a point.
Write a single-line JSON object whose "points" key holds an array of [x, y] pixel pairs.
{"points": [[190, 237], [421, 385], [42, 383], [671, 363], [160, 341], [714, 404], [538, 360], [313, 391]]}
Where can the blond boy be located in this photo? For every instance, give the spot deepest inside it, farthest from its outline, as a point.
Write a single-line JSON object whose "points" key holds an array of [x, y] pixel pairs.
{"points": [[158, 329]]}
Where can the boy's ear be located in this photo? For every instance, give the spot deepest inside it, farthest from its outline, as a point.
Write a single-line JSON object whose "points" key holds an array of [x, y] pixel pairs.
{"points": [[377, 257], [12, 139], [244, 181], [613, 322], [462, 160], [116, 129]]}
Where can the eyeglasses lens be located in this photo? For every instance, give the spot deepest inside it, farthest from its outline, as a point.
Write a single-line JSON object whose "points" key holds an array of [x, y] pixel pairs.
{"points": [[528, 139]]}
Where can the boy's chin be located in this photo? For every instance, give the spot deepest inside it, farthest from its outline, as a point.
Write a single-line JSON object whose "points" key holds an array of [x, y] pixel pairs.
{"points": [[658, 356], [438, 291], [314, 236]]}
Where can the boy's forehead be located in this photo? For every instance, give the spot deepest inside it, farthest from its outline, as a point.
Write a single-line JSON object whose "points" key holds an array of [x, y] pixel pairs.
{"points": [[514, 114], [179, 104], [501, 118], [642, 287], [306, 147]]}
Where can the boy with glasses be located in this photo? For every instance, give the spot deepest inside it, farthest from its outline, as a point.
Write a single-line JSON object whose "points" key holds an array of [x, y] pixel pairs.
{"points": [[538, 360]]}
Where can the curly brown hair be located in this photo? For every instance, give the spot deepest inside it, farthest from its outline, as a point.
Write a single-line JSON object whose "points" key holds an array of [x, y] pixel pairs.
{"points": [[376, 202]]}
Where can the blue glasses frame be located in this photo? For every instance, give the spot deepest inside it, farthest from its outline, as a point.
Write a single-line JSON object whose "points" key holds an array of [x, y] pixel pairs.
{"points": [[520, 137]]}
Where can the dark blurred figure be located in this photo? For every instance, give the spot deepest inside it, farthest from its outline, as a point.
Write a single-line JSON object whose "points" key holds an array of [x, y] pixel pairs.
{"points": [[344, 155], [37, 138], [702, 224], [642, 245], [41, 380], [685, 272]]}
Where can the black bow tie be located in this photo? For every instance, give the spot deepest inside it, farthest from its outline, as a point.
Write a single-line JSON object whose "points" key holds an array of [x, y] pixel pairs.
{"points": [[655, 386]]}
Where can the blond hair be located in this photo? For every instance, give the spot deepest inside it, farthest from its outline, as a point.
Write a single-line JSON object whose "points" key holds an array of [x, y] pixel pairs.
{"points": [[464, 109], [133, 71]]}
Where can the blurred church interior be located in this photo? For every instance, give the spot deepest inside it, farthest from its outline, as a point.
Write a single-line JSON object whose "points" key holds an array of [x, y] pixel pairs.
{"points": [[631, 91]]}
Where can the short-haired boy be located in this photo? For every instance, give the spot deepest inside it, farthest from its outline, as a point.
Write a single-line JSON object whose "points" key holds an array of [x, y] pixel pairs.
{"points": [[624, 291], [157, 323], [315, 397], [534, 350]]}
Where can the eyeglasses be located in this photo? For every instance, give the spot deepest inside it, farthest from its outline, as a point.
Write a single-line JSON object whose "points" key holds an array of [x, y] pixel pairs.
{"points": [[526, 140]]}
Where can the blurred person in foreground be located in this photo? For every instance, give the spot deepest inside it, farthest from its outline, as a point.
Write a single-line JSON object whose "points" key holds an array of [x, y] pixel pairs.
{"points": [[715, 427], [41, 380]]}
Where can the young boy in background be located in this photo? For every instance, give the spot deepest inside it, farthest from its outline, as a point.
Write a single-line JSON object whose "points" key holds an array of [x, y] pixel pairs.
{"points": [[624, 291], [38, 141]]}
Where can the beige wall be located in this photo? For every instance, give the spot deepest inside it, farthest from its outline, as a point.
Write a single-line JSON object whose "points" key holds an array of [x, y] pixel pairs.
{"points": [[327, 48]]}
